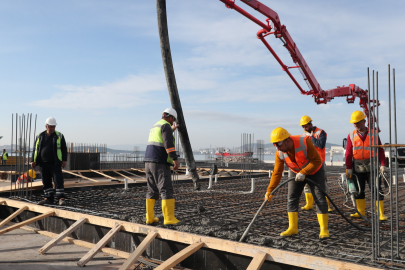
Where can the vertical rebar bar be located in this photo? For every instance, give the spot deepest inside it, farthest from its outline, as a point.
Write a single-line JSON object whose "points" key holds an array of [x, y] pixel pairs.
{"points": [[371, 171], [377, 102], [390, 142], [396, 161], [11, 153]]}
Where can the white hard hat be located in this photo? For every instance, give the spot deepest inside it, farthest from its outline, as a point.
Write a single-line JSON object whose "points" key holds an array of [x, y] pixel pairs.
{"points": [[171, 111], [50, 121]]}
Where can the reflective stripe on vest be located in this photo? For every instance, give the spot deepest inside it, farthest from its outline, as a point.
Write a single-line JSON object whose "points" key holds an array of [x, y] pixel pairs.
{"points": [[58, 146], [317, 133], [361, 150], [5, 156], [301, 155], [156, 139]]}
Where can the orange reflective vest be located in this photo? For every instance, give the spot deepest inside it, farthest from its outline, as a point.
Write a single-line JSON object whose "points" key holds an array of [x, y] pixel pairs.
{"points": [[23, 179], [361, 150], [301, 155], [316, 134]]}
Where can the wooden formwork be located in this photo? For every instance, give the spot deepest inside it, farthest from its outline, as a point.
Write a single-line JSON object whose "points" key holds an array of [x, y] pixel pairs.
{"points": [[259, 254]]}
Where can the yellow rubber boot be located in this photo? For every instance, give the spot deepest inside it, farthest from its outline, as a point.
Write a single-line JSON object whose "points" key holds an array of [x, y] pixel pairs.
{"points": [[380, 205], [329, 209], [293, 224], [310, 201], [361, 207], [168, 212], [323, 223], [150, 211]]}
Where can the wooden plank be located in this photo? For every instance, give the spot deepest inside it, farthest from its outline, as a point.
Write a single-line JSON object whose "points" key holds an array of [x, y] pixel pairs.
{"points": [[257, 261], [62, 235], [13, 215], [125, 177], [133, 174], [26, 222], [92, 252], [180, 256], [138, 251], [79, 175], [244, 249], [106, 175], [2, 202]]}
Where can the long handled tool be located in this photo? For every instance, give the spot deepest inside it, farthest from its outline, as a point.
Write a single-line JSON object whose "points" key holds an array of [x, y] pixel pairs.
{"points": [[253, 220], [323, 192]]}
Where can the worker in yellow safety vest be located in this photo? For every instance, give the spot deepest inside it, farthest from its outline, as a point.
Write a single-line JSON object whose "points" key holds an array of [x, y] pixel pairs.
{"points": [[160, 155], [4, 157], [318, 137], [301, 157], [50, 153]]}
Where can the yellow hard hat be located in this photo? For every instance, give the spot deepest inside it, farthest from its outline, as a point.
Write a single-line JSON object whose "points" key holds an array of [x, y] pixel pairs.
{"points": [[357, 116], [279, 134], [305, 120], [31, 173]]}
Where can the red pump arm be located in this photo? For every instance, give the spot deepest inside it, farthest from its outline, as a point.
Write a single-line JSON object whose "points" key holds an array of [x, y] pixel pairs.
{"points": [[280, 31]]}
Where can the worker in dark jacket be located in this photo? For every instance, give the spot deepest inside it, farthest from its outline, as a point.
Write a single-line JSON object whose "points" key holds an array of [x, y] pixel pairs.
{"points": [[160, 154], [50, 153], [318, 137]]}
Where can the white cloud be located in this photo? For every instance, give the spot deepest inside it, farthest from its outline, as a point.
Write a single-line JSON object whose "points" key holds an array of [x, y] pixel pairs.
{"points": [[128, 92]]}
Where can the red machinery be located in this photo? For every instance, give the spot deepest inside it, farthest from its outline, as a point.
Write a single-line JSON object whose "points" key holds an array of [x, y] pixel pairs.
{"points": [[280, 31]]}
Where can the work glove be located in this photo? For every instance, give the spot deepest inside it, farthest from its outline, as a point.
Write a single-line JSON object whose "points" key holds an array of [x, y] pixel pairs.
{"points": [[349, 173], [299, 177], [268, 196]]}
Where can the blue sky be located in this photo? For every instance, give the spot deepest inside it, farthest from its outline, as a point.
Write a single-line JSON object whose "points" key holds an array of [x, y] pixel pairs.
{"points": [[96, 67]]}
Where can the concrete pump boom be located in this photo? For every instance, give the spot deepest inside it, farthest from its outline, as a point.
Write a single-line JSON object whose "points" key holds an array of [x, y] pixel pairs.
{"points": [[280, 31]]}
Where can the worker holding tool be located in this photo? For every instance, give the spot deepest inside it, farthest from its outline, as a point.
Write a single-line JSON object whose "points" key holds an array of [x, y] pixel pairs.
{"points": [[26, 177], [358, 156], [50, 153], [302, 158], [160, 154], [318, 137]]}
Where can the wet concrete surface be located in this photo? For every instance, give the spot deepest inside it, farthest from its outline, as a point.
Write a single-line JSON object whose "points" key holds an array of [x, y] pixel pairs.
{"points": [[226, 210]]}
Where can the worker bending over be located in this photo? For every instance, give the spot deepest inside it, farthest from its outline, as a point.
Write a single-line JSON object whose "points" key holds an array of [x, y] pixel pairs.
{"points": [[26, 177], [159, 156], [318, 137], [358, 156], [299, 154]]}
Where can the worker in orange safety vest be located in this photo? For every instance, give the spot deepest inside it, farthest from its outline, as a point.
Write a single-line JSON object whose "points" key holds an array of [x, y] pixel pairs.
{"points": [[299, 154], [26, 177], [318, 137], [358, 157]]}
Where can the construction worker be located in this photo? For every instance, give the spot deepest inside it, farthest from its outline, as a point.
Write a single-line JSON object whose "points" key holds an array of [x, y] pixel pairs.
{"points": [[318, 137], [358, 157], [50, 153], [26, 177], [4, 157], [160, 154], [300, 155]]}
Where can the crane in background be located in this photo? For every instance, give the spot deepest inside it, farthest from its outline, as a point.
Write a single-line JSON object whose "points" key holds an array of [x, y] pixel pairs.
{"points": [[273, 26]]}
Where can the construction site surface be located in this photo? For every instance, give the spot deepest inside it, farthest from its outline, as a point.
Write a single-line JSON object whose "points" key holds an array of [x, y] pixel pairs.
{"points": [[225, 210]]}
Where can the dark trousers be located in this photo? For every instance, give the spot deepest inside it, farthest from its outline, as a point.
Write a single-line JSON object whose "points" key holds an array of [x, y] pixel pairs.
{"points": [[295, 190], [363, 178], [159, 181], [53, 171], [3, 162]]}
